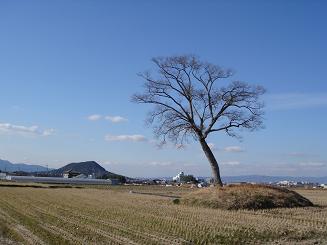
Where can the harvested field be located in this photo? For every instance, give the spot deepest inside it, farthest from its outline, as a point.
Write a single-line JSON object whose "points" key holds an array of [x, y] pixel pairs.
{"points": [[114, 215]]}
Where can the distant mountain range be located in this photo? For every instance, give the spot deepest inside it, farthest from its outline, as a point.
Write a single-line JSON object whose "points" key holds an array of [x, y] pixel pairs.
{"points": [[92, 167], [86, 168], [260, 178], [12, 167], [267, 179]]}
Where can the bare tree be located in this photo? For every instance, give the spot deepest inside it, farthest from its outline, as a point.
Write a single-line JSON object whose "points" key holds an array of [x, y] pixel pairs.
{"points": [[188, 102]]}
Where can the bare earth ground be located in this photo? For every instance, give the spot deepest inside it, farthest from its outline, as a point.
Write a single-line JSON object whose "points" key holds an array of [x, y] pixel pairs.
{"points": [[115, 215]]}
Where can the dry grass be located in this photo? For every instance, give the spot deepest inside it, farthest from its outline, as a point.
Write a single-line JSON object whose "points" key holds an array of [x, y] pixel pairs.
{"points": [[247, 196], [115, 216]]}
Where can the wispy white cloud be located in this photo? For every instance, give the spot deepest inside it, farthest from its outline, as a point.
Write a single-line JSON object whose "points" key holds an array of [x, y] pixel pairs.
{"points": [[287, 101], [24, 130], [176, 165], [132, 138], [297, 154], [231, 163], [213, 147], [158, 163], [109, 162], [233, 149], [48, 132], [113, 119], [94, 117], [116, 119], [301, 154], [305, 168], [313, 164]]}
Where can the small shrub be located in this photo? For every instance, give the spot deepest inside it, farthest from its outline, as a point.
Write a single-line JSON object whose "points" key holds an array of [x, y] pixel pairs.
{"points": [[176, 201]]}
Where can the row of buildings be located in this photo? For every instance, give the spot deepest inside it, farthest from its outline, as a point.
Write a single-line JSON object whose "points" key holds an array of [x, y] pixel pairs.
{"points": [[74, 177], [69, 177], [304, 184]]}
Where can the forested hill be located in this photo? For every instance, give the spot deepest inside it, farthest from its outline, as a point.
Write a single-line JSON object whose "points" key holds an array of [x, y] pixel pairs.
{"points": [[87, 168]]}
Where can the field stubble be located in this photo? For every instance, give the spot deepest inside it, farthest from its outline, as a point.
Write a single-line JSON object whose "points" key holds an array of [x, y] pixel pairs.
{"points": [[115, 216]]}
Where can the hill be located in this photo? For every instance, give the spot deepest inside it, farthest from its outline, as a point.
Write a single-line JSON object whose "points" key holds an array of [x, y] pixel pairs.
{"points": [[246, 197], [87, 168], [12, 167]]}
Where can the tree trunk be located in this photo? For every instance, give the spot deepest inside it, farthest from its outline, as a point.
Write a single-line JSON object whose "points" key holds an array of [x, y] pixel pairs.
{"points": [[213, 162]]}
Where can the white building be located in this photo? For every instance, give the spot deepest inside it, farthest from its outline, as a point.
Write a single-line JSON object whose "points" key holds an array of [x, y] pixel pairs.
{"points": [[178, 177], [286, 183], [3, 176]]}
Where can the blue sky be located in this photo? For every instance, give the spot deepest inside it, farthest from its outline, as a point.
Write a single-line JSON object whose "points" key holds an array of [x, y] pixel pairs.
{"points": [[64, 61]]}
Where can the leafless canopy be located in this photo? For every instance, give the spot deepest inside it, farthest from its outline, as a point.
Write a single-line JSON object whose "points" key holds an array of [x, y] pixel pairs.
{"points": [[193, 98]]}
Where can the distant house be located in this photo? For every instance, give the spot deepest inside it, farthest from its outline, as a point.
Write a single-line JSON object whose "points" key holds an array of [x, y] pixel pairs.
{"points": [[183, 178], [91, 176], [159, 181], [114, 181], [178, 177], [81, 176], [286, 183], [71, 174], [3, 176], [202, 184]]}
